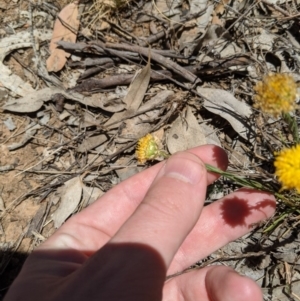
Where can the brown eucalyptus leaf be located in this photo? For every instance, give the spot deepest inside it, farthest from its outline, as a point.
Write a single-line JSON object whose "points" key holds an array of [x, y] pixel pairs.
{"points": [[63, 31]]}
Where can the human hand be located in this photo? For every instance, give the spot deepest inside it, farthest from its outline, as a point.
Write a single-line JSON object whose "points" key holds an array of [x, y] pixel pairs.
{"points": [[149, 226]]}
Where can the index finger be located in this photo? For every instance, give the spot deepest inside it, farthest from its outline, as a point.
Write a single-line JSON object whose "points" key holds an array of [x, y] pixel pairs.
{"points": [[94, 226]]}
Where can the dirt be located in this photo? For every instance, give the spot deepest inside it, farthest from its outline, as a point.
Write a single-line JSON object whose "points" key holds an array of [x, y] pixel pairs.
{"points": [[32, 175], [14, 245]]}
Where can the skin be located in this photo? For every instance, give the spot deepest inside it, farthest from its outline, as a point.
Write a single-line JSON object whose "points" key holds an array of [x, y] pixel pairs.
{"points": [[149, 226]]}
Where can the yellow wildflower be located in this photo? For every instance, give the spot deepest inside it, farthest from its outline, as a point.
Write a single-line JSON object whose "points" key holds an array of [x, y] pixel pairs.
{"points": [[147, 149], [287, 164], [276, 94]]}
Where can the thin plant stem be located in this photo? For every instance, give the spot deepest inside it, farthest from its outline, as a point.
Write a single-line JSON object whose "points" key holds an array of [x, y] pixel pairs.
{"points": [[249, 183], [292, 124]]}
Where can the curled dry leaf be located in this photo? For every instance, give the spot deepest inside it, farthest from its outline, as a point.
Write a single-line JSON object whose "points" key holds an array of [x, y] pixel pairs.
{"points": [[30, 131], [224, 104], [8, 44], [65, 29]]}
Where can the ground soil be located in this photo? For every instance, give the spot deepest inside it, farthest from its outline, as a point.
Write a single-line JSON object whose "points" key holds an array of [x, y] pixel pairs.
{"points": [[25, 196]]}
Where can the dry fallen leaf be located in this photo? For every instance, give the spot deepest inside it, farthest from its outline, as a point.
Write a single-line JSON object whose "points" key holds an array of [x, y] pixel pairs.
{"points": [[30, 132], [63, 31], [90, 143], [141, 125], [219, 10], [10, 43], [185, 133], [90, 195], [135, 95], [70, 198], [210, 135], [33, 101], [128, 170], [224, 104]]}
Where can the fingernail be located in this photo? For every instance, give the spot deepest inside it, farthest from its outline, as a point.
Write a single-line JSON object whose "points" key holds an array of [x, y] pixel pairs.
{"points": [[184, 167]]}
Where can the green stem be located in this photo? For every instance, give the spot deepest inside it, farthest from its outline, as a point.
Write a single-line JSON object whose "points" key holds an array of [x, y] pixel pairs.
{"points": [[238, 180], [244, 182], [276, 223], [292, 124]]}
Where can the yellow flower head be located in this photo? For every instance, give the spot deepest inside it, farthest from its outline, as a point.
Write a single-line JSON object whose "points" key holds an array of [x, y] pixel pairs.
{"points": [[147, 149], [276, 94], [287, 164]]}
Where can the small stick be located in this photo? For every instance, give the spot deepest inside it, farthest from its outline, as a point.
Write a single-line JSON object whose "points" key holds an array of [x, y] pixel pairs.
{"points": [[157, 36], [189, 76], [276, 7]]}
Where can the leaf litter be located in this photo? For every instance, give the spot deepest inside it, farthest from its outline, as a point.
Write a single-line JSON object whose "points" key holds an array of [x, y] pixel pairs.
{"points": [[65, 29], [79, 101]]}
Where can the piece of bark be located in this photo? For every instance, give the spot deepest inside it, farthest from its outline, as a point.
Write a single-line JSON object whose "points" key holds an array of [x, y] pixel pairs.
{"points": [[94, 71], [92, 62], [92, 47], [93, 84]]}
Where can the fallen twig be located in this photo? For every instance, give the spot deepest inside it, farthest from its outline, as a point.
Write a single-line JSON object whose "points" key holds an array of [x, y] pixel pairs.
{"points": [[276, 7], [92, 85], [170, 65], [218, 66], [157, 36]]}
